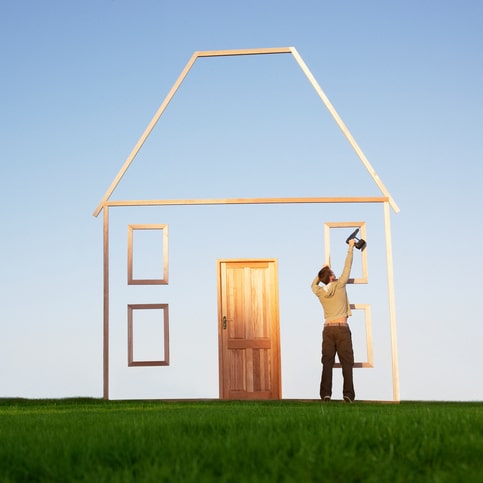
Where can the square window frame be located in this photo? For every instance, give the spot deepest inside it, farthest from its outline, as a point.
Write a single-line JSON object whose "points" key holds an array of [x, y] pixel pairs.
{"points": [[348, 224], [370, 355], [130, 341], [147, 281]]}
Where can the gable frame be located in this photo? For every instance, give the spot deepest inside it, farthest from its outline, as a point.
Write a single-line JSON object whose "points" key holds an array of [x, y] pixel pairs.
{"points": [[223, 53]]}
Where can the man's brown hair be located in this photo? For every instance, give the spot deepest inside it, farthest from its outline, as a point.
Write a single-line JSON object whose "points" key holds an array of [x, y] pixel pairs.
{"points": [[324, 274]]}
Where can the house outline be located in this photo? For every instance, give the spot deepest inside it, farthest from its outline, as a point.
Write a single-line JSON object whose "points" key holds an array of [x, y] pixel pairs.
{"points": [[386, 198]]}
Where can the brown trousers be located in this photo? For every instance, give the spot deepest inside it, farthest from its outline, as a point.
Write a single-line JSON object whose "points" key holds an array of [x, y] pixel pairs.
{"points": [[337, 340]]}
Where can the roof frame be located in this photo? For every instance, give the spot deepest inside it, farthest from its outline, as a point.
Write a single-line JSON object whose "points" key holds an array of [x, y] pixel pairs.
{"points": [[224, 53]]}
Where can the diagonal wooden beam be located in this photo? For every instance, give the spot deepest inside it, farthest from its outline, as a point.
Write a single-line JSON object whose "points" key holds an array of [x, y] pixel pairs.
{"points": [[343, 127], [146, 133]]}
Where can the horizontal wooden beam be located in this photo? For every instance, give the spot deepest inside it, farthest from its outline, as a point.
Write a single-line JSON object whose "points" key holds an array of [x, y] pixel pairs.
{"points": [[249, 201], [220, 53]]}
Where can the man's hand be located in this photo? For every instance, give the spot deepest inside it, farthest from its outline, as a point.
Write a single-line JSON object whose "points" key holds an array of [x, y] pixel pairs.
{"points": [[352, 242]]}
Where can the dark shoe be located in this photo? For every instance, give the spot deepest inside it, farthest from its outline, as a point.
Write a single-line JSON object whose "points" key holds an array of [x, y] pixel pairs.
{"points": [[326, 399], [347, 399]]}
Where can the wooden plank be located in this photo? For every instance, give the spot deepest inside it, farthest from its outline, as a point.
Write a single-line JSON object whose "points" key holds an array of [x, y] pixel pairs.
{"points": [[220, 53], [130, 343], [248, 201], [106, 305], [358, 365], [348, 224], [369, 363], [392, 304], [343, 127], [145, 134], [130, 257]]}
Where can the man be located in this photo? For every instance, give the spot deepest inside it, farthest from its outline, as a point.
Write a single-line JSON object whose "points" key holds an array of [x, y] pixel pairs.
{"points": [[336, 336]]}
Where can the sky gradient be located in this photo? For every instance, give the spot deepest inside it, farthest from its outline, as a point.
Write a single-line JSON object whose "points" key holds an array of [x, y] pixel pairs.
{"points": [[81, 80]]}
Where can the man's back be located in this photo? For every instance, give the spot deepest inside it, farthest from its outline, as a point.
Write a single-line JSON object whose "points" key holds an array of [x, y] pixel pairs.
{"points": [[333, 296]]}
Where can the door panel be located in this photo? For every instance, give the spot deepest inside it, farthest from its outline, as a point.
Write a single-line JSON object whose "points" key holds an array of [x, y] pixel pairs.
{"points": [[249, 334]]}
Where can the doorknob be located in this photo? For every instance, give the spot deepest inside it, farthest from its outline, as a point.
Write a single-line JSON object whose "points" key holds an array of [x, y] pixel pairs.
{"points": [[224, 322]]}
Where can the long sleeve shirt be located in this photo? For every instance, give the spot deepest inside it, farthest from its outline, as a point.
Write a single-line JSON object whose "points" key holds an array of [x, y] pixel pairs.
{"points": [[333, 296]]}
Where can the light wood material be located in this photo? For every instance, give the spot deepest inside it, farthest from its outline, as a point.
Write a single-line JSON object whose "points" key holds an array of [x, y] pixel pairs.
{"points": [[130, 341], [248, 201], [221, 53], [146, 133], [347, 224], [369, 363], [262, 51], [392, 304], [166, 102], [105, 355], [343, 127], [249, 333], [130, 256]]}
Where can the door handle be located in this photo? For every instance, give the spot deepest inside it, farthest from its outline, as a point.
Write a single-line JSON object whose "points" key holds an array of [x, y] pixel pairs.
{"points": [[224, 322]]}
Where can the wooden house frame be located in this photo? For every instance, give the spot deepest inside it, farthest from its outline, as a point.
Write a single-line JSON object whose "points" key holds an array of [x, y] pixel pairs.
{"points": [[106, 204]]}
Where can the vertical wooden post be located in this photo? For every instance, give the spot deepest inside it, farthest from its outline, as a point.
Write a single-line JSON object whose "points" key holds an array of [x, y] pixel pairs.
{"points": [[392, 305], [326, 244], [106, 304]]}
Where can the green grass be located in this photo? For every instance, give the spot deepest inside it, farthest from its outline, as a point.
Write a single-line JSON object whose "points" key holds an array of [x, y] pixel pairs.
{"points": [[204, 441]]}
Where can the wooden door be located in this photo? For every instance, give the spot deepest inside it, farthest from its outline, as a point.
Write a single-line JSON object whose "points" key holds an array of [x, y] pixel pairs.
{"points": [[249, 332]]}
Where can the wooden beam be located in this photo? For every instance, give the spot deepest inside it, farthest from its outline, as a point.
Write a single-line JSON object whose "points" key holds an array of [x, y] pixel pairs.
{"points": [[146, 133], [220, 53], [106, 304], [248, 201], [343, 127], [392, 304], [348, 224]]}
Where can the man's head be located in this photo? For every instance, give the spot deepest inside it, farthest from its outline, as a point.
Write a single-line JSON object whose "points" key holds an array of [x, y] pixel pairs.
{"points": [[326, 275]]}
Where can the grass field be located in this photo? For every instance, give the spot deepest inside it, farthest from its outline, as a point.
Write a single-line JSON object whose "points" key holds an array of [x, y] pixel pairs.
{"points": [[93, 440]]}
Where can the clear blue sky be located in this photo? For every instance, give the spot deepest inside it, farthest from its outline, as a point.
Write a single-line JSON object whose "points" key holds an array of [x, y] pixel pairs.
{"points": [[81, 80]]}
